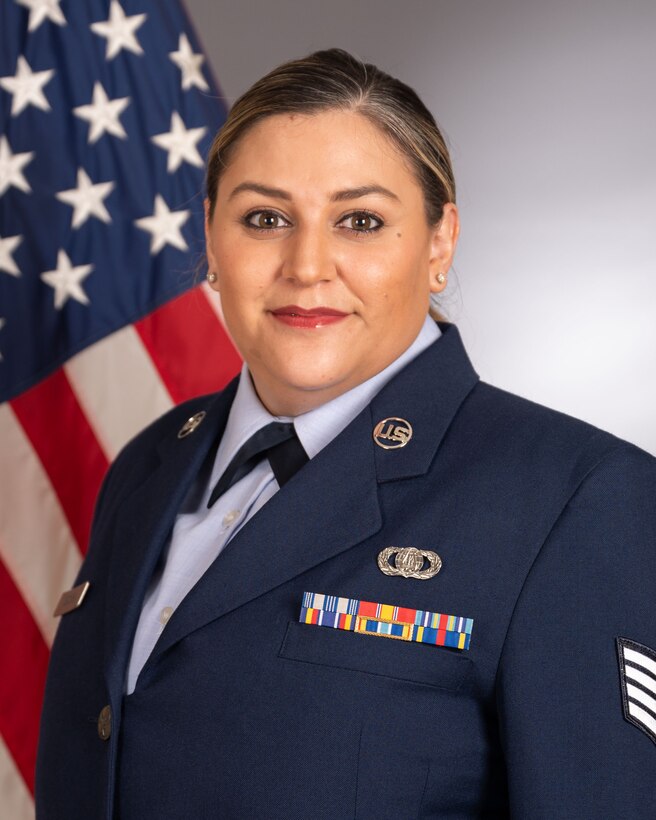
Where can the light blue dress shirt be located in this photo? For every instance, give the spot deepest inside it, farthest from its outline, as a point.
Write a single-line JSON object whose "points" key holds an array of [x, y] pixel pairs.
{"points": [[200, 534]]}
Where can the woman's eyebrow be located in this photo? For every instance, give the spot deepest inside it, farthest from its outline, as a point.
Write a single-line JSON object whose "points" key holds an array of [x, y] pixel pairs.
{"points": [[257, 188], [338, 196], [363, 190]]}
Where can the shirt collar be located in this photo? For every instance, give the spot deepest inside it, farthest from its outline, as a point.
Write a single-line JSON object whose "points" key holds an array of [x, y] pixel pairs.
{"points": [[317, 427]]}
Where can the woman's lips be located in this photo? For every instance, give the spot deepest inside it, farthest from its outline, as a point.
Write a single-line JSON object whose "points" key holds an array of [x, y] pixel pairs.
{"points": [[294, 316]]}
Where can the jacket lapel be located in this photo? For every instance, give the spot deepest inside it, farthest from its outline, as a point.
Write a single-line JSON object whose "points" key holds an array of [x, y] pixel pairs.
{"points": [[332, 503], [308, 521], [427, 393], [144, 520]]}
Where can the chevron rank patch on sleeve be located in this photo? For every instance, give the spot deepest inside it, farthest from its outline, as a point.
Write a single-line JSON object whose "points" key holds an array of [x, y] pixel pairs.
{"points": [[638, 681]]}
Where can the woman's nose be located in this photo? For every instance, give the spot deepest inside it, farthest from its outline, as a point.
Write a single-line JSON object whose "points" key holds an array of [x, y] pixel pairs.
{"points": [[308, 257]]}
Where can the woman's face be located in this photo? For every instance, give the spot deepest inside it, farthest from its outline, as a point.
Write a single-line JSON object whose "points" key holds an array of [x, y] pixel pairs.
{"points": [[323, 255]]}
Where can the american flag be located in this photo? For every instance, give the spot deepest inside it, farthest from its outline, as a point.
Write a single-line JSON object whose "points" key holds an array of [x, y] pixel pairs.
{"points": [[106, 111]]}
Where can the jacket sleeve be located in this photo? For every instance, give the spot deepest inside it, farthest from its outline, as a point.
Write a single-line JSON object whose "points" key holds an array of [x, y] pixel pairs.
{"points": [[572, 748]]}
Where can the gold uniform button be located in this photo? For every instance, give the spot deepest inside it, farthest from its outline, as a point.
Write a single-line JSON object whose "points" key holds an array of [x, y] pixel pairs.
{"points": [[105, 723]]}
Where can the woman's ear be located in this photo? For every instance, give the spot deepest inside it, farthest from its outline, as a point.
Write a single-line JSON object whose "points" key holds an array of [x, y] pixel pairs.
{"points": [[443, 247], [209, 250]]}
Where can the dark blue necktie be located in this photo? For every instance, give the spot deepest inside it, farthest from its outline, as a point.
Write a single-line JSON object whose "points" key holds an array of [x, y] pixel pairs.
{"points": [[276, 441]]}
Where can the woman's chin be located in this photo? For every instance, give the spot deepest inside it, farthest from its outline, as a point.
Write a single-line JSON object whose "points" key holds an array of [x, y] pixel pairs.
{"points": [[308, 378], [298, 384]]}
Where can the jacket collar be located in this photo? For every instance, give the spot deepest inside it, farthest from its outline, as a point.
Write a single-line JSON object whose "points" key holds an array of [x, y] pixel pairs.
{"points": [[427, 394]]}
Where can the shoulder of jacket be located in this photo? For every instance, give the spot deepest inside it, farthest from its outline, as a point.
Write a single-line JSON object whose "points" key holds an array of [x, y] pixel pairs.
{"points": [[523, 415], [171, 421], [140, 456], [144, 445], [552, 441]]}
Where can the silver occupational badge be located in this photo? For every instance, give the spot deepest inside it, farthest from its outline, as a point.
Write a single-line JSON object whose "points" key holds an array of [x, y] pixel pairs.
{"points": [[191, 424], [392, 433], [409, 562]]}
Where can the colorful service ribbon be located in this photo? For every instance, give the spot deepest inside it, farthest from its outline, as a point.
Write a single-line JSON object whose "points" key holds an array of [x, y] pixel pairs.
{"points": [[386, 620]]}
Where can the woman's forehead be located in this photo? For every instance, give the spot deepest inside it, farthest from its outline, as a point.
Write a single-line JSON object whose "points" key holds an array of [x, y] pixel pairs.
{"points": [[341, 149]]}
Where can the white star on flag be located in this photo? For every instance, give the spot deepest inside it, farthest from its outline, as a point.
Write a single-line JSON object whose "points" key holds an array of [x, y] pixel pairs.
{"points": [[189, 63], [11, 167], [119, 31], [42, 9], [180, 143], [27, 87], [66, 280], [103, 114], [87, 199], [164, 226], [7, 246]]}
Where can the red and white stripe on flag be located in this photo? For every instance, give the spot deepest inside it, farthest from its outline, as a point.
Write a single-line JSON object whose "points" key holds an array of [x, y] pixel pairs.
{"points": [[58, 439], [107, 108]]}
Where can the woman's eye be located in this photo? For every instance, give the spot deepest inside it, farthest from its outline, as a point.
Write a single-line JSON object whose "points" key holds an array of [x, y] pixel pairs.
{"points": [[362, 222], [265, 220]]}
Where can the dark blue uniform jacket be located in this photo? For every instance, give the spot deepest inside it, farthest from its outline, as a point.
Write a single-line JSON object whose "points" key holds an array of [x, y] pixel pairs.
{"points": [[546, 528]]}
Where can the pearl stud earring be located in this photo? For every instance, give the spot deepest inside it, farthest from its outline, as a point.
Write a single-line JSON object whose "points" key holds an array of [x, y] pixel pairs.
{"points": [[211, 277]]}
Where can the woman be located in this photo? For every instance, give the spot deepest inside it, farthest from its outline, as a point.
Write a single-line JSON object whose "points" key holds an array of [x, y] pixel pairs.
{"points": [[255, 553]]}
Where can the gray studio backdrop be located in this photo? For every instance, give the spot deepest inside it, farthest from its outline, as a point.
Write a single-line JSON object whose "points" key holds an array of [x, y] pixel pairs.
{"points": [[550, 112]]}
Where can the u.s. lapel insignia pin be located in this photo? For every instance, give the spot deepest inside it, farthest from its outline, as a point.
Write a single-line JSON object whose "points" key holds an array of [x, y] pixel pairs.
{"points": [[191, 424], [392, 433], [409, 562]]}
